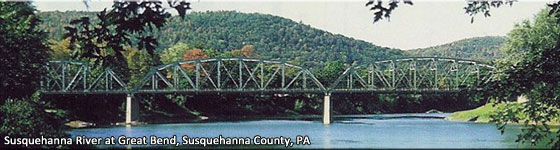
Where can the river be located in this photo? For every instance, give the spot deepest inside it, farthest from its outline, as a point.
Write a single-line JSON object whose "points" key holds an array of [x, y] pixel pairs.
{"points": [[350, 131]]}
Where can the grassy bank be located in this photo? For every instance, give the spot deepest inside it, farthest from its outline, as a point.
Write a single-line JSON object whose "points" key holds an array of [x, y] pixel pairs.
{"points": [[482, 114]]}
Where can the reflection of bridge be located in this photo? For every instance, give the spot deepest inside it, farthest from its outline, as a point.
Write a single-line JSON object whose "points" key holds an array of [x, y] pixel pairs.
{"points": [[244, 75]]}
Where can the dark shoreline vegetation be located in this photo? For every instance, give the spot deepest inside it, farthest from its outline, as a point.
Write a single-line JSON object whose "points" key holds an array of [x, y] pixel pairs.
{"points": [[110, 109]]}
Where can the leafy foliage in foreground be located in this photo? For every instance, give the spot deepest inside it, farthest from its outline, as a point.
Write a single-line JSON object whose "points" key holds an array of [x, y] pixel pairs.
{"points": [[530, 68], [22, 53], [27, 118], [473, 8], [126, 22], [382, 11]]}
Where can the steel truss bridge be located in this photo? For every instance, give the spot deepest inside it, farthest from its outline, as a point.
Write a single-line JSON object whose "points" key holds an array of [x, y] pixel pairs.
{"points": [[246, 75], [405, 75]]}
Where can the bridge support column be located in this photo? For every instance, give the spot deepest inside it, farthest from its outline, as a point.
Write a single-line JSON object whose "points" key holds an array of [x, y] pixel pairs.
{"points": [[327, 112], [132, 111]]}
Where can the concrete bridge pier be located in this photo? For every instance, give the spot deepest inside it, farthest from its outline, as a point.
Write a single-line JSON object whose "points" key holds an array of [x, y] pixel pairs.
{"points": [[327, 111], [132, 109]]}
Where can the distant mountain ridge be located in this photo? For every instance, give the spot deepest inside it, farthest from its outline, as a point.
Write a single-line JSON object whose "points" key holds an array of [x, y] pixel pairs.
{"points": [[478, 48]]}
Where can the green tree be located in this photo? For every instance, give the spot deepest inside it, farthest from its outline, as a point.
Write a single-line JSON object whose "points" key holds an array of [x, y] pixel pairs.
{"points": [[22, 51], [330, 71], [174, 53], [23, 56], [530, 68], [60, 50], [139, 64]]}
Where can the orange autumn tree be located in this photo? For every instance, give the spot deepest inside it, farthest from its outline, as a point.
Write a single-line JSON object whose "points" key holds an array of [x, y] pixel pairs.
{"points": [[248, 51], [193, 54]]}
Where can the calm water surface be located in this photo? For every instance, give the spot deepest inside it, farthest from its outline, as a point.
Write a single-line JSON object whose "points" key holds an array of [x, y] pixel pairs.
{"points": [[356, 131]]}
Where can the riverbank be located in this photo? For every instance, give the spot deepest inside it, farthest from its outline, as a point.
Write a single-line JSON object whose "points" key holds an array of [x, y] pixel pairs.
{"points": [[76, 124]]}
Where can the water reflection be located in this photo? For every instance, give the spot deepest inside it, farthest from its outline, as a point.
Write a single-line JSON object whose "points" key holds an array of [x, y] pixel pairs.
{"points": [[128, 133]]}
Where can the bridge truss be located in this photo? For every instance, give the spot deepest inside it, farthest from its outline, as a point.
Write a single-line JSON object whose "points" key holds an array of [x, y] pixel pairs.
{"points": [[245, 75], [68, 77], [414, 75], [229, 75]]}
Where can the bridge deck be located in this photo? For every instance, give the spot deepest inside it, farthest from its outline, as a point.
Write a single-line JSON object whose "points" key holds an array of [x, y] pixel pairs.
{"points": [[272, 91]]}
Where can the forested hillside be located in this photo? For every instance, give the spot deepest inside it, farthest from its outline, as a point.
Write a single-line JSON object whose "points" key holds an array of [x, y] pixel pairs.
{"points": [[273, 37], [478, 48]]}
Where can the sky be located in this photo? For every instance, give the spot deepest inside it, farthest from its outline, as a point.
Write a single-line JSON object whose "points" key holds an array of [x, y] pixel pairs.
{"points": [[424, 24]]}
